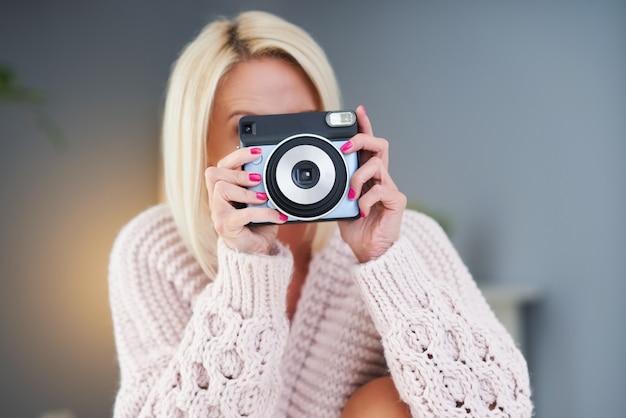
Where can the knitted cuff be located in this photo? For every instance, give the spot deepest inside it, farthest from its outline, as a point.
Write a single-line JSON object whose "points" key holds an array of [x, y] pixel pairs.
{"points": [[253, 284], [392, 284]]}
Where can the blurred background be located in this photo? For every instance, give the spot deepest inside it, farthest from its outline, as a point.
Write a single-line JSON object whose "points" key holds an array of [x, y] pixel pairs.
{"points": [[506, 119]]}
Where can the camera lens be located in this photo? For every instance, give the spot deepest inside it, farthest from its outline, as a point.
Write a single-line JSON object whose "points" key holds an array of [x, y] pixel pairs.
{"points": [[305, 174], [294, 180]]}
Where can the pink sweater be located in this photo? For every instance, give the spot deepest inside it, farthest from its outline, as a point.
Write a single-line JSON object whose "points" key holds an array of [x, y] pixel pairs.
{"points": [[189, 346]]}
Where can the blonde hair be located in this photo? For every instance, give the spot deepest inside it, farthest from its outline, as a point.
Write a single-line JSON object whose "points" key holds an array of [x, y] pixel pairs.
{"points": [[191, 91]]}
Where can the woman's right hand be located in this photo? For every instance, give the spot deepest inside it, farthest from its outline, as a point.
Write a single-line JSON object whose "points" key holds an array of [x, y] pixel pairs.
{"points": [[226, 184]]}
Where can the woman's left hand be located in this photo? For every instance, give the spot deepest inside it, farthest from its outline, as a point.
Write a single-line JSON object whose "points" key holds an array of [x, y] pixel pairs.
{"points": [[380, 201]]}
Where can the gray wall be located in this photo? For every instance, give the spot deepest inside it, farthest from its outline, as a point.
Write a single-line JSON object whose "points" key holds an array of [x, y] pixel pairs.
{"points": [[505, 118]]}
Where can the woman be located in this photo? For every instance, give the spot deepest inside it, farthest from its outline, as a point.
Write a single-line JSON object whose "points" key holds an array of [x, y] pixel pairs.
{"points": [[214, 317]]}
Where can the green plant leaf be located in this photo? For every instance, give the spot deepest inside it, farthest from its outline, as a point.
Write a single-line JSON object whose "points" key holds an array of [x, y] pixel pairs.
{"points": [[12, 93]]}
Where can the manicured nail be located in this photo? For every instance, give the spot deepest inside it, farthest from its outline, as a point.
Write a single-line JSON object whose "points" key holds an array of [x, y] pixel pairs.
{"points": [[362, 214], [254, 177], [364, 111], [282, 216], [351, 194], [255, 151], [346, 146], [261, 196]]}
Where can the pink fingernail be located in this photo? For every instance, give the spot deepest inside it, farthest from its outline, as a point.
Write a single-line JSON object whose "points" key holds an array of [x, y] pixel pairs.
{"points": [[261, 196], [282, 216], [254, 177], [255, 151], [346, 146], [351, 194], [362, 214], [364, 111]]}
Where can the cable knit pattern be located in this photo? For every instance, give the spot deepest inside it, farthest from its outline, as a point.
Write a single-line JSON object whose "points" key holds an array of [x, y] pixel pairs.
{"points": [[189, 346]]}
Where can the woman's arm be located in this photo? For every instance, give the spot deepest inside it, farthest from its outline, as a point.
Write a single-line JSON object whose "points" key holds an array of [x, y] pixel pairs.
{"points": [[219, 358], [447, 353]]}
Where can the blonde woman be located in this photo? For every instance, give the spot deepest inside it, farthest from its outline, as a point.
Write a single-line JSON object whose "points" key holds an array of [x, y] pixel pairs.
{"points": [[369, 317]]}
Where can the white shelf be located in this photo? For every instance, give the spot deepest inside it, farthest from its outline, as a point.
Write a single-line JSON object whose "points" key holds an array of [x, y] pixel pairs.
{"points": [[507, 303]]}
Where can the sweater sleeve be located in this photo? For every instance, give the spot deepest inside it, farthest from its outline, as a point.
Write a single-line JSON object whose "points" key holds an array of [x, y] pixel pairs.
{"points": [[447, 353], [222, 358]]}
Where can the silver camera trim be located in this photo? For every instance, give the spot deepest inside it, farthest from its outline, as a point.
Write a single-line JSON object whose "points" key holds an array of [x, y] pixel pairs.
{"points": [[345, 167]]}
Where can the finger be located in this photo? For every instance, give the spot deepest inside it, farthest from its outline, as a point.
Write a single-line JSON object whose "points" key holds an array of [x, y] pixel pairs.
{"points": [[391, 199], [364, 142], [214, 175], [239, 157], [363, 121], [236, 219], [373, 170], [227, 193], [226, 218], [241, 178], [224, 194]]}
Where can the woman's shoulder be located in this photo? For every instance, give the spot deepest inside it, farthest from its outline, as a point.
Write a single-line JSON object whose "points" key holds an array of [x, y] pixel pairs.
{"points": [[151, 217], [414, 222], [153, 223], [147, 237], [427, 236], [432, 243], [149, 251]]}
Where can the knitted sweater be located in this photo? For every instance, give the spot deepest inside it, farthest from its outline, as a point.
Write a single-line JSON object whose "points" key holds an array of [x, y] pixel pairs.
{"points": [[189, 346]]}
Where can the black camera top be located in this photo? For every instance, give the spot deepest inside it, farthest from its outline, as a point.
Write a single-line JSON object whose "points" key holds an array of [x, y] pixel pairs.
{"points": [[257, 130]]}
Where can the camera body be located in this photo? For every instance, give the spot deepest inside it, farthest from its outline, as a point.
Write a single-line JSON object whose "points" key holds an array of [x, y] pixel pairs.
{"points": [[305, 174]]}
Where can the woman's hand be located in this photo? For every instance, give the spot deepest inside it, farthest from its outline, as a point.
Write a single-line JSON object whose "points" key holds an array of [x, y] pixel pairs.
{"points": [[380, 202], [226, 184]]}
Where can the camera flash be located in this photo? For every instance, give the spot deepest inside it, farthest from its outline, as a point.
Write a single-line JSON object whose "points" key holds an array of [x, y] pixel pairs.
{"points": [[340, 119]]}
